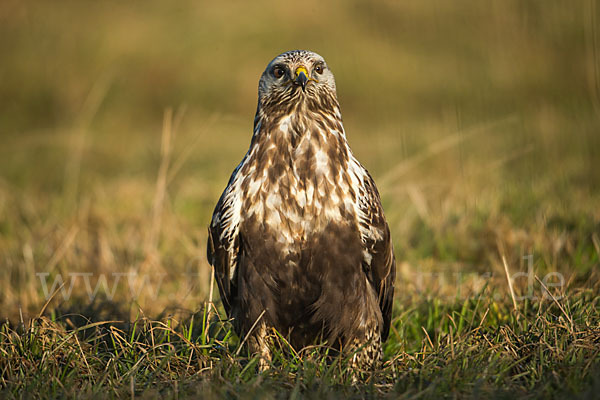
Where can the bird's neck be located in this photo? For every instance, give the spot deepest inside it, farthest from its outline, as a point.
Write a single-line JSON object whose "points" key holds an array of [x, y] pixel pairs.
{"points": [[310, 121]]}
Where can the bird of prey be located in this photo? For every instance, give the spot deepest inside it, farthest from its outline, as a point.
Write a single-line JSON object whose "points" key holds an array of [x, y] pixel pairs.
{"points": [[298, 239]]}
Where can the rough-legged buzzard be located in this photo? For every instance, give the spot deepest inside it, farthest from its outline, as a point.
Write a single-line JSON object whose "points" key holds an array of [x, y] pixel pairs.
{"points": [[298, 239]]}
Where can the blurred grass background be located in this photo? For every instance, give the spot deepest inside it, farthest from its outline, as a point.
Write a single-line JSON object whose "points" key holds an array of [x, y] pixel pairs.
{"points": [[480, 122]]}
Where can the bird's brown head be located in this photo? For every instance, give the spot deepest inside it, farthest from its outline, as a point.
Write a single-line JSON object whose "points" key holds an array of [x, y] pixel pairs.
{"points": [[295, 77]]}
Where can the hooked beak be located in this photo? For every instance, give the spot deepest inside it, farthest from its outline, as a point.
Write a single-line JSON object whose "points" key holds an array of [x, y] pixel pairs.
{"points": [[301, 77]]}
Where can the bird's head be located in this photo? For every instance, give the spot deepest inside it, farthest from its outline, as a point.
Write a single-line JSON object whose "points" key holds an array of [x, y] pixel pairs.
{"points": [[295, 76]]}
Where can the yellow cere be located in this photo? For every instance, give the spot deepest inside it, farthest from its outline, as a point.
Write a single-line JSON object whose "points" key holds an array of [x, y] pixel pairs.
{"points": [[302, 69]]}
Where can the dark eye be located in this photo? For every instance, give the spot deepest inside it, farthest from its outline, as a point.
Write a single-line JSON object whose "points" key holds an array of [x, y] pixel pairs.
{"points": [[278, 71], [319, 69]]}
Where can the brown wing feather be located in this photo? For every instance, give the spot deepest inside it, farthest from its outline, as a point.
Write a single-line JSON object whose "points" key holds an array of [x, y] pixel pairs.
{"points": [[223, 245], [381, 271], [221, 260]]}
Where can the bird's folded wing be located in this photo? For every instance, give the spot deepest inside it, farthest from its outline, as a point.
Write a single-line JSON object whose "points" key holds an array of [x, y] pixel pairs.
{"points": [[223, 244], [380, 264]]}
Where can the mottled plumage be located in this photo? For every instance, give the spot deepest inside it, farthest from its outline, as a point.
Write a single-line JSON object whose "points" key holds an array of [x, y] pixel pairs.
{"points": [[298, 239]]}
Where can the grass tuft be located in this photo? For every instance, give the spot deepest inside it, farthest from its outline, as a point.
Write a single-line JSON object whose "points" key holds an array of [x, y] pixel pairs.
{"points": [[535, 350]]}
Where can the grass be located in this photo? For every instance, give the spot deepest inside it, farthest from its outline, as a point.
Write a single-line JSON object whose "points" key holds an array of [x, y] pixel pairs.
{"points": [[436, 349], [479, 123]]}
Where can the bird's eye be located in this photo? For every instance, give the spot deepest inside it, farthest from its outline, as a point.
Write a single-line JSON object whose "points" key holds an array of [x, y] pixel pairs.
{"points": [[278, 71], [319, 69]]}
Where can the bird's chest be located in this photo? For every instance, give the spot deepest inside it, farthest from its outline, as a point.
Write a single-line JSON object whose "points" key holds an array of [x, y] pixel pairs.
{"points": [[296, 195]]}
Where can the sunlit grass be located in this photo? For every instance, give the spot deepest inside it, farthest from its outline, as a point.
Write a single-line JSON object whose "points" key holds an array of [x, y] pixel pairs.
{"points": [[435, 349]]}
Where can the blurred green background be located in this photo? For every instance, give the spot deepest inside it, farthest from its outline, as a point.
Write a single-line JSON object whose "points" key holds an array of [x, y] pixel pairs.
{"points": [[480, 122]]}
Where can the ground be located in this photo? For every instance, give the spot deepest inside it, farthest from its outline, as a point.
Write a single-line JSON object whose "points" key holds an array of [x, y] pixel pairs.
{"points": [[120, 124]]}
